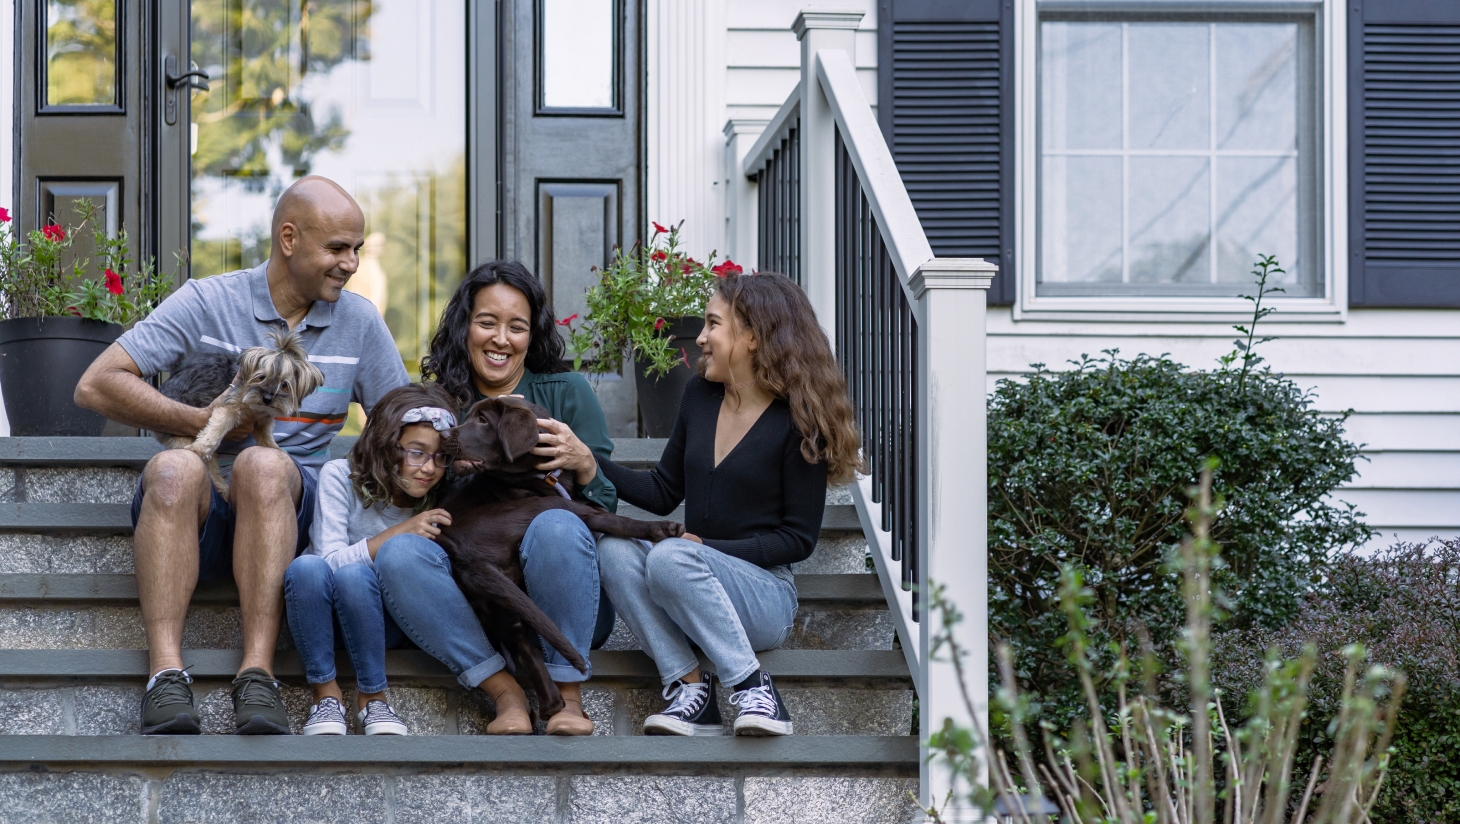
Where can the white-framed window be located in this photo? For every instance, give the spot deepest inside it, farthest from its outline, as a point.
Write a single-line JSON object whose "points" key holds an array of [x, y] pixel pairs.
{"points": [[1165, 146]]}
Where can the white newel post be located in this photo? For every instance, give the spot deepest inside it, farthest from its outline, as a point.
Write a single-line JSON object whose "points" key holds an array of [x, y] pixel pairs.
{"points": [[819, 29], [742, 211], [952, 296]]}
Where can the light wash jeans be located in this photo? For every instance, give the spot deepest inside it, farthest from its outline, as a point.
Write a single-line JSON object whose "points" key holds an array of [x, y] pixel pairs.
{"points": [[560, 566], [317, 599], [679, 591]]}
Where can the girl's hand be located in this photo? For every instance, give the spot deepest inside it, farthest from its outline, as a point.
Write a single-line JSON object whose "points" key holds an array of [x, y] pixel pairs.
{"points": [[427, 524], [689, 536], [564, 451]]}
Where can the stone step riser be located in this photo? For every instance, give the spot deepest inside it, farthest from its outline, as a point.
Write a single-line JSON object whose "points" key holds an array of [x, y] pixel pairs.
{"points": [[110, 708], [59, 626], [205, 797], [836, 554]]}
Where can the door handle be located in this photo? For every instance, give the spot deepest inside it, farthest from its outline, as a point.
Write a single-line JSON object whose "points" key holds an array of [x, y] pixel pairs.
{"points": [[194, 78]]}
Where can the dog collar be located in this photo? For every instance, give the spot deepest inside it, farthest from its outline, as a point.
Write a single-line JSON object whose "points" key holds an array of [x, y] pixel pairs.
{"points": [[556, 484]]}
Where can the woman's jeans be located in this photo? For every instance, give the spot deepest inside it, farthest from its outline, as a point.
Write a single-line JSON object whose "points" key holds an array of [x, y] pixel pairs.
{"points": [[680, 591], [560, 567], [318, 599]]}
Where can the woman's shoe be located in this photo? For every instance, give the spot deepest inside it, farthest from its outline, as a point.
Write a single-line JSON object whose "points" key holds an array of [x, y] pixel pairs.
{"points": [[761, 710], [379, 719], [514, 721], [693, 710], [570, 720]]}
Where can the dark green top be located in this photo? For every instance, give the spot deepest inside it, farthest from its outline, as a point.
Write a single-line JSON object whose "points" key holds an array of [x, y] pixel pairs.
{"points": [[568, 398]]}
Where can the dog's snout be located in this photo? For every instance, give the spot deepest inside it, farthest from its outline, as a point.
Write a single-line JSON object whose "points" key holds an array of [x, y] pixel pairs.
{"points": [[268, 397]]}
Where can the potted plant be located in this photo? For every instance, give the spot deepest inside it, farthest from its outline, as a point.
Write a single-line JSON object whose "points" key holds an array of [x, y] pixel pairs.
{"points": [[649, 305], [58, 318]]}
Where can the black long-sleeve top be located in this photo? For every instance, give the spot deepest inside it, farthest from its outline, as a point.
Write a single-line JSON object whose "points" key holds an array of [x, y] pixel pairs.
{"points": [[762, 504]]}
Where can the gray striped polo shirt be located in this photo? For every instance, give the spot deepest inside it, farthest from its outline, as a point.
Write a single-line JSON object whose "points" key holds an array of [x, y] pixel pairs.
{"points": [[347, 340]]}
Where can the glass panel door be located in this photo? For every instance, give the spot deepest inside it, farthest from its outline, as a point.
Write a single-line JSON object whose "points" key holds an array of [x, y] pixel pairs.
{"points": [[369, 93]]}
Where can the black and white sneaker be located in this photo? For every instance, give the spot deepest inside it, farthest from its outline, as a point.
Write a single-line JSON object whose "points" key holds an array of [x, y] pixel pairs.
{"points": [[693, 710], [326, 718], [761, 710], [379, 719]]}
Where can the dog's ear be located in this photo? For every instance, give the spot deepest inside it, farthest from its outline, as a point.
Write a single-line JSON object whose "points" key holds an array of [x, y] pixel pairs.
{"points": [[517, 432]]}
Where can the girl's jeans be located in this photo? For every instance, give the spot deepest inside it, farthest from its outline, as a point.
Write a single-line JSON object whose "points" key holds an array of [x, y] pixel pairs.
{"points": [[317, 599], [680, 591], [560, 566]]}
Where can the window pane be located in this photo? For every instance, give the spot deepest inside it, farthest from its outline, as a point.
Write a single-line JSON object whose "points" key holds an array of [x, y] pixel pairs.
{"points": [[1257, 86], [81, 53], [1080, 89], [1170, 203], [1170, 102], [1257, 214], [577, 54], [369, 93], [1080, 237]]}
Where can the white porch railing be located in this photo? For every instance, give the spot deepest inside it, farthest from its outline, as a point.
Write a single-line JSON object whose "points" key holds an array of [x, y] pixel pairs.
{"points": [[829, 208]]}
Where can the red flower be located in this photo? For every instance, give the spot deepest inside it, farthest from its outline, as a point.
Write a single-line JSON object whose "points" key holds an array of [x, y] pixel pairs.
{"points": [[54, 232], [569, 319], [684, 356], [4, 215], [660, 323], [729, 267], [658, 256], [73, 310], [113, 282], [659, 230]]}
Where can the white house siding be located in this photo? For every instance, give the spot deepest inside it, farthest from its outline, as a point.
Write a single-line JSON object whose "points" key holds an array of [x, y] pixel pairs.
{"points": [[1398, 370], [710, 61]]}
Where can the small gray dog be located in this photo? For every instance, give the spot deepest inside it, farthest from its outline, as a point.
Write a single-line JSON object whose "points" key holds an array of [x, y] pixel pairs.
{"points": [[262, 383]]}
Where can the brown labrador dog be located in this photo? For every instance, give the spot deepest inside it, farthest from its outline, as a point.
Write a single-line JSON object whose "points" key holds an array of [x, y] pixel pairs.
{"points": [[491, 509]]}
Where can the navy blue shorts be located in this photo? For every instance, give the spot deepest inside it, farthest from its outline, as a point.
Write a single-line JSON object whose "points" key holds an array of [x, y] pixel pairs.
{"points": [[215, 540]]}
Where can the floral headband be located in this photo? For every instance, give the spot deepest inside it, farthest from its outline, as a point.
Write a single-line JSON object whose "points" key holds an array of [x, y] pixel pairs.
{"points": [[440, 419]]}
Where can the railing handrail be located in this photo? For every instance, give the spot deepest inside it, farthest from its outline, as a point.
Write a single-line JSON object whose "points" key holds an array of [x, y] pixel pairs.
{"points": [[765, 146], [897, 220]]}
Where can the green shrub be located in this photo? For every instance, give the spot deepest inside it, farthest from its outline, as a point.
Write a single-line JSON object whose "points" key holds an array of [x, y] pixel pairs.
{"points": [[1403, 606], [1090, 467]]}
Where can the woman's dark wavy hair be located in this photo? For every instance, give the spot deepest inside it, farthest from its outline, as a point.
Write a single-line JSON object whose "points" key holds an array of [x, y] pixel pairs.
{"points": [[375, 458], [794, 361], [448, 362]]}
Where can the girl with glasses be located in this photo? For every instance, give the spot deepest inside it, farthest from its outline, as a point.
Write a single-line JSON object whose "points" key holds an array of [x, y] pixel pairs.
{"points": [[383, 493]]}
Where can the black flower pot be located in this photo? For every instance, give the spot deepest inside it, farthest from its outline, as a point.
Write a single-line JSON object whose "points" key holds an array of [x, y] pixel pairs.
{"points": [[41, 361], [659, 394]]}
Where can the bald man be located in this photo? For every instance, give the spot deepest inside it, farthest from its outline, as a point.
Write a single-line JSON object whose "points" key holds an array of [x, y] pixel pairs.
{"points": [[185, 530]]}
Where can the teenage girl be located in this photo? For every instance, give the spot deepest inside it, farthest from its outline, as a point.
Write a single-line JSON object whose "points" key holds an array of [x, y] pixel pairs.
{"points": [[386, 489], [761, 430]]}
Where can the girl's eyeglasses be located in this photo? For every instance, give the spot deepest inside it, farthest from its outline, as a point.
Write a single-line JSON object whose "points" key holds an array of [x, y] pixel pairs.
{"points": [[415, 457]]}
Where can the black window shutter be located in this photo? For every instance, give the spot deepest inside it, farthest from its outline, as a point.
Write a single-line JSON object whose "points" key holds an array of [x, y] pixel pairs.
{"points": [[1404, 153], [945, 102]]}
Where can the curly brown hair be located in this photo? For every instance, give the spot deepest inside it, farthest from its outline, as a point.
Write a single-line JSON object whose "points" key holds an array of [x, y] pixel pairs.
{"points": [[375, 458], [794, 361]]}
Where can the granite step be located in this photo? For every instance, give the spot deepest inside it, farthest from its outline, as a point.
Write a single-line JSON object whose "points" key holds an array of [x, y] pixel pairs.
{"points": [[97, 692], [208, 779]]}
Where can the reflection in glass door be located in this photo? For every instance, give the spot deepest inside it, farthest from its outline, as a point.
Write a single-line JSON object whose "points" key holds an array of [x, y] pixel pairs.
{"points": [[369, 93]]}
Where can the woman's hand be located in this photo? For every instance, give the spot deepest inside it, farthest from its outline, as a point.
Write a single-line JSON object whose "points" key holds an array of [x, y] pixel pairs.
{"points": [[564, 451]]}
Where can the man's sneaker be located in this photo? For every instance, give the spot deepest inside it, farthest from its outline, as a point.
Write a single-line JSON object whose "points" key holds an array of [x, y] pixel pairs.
{"points": [[693, 710], [326, 718], [258, 708], [167, 708], [379, 719], [761, 710]]}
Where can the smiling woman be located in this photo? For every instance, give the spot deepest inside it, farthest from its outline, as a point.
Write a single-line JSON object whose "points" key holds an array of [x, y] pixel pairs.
{"points": [[497, 336]]}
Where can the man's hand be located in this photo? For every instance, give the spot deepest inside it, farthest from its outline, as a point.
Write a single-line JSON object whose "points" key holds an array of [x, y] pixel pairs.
{"points": [[245, 427]]}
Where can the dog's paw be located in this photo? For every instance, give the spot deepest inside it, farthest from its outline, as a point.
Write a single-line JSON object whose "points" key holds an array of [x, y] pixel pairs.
{"points": [[659, 530]]}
